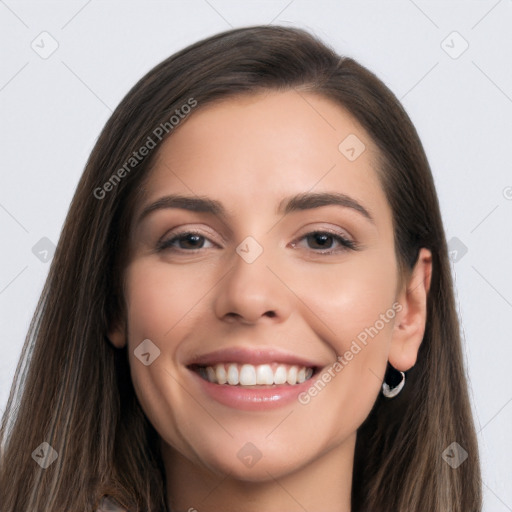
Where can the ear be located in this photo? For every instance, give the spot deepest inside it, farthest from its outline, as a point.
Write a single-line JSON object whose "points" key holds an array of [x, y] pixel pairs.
{"points": [[410, 322], [117, 334]]}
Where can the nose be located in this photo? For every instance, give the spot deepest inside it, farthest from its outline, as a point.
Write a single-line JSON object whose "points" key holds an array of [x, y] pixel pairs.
{"points": [[251, 293]]}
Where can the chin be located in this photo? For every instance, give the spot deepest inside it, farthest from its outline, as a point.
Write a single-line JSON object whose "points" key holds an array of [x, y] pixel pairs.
{"points": [[248, 464]]}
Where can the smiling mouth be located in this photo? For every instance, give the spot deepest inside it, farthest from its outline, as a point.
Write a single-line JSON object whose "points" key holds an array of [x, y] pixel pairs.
{"points": [[248, 375]]}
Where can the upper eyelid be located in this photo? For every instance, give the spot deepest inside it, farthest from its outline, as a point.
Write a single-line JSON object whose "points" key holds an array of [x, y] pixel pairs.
{"points": [[308, 231]]}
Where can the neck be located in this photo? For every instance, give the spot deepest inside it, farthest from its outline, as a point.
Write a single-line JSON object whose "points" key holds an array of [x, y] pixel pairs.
{"points": [[323, 484]]}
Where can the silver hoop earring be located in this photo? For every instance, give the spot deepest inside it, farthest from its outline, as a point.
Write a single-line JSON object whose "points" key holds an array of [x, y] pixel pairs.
{"points": [[389, 392]]}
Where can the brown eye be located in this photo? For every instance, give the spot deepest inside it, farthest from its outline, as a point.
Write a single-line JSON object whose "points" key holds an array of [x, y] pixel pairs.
{"points": [[320, 241], [325, 242], [185, 241]]}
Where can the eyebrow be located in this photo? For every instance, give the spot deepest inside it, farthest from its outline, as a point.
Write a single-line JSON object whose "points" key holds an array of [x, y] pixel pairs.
{"points": [[299, 202]]}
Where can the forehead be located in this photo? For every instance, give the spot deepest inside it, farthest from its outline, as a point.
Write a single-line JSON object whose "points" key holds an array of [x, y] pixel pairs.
{"points": [[254, 149]]}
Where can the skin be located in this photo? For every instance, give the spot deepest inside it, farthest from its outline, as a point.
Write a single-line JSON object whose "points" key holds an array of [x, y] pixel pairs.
{"points": [[249, 153]]}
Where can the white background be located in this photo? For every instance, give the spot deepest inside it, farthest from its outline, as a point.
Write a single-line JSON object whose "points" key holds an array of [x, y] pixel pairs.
{"points": [[53, 109]]}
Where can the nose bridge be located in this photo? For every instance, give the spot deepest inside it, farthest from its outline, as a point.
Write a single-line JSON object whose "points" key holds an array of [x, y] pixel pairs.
{"points": [[251, 290]]}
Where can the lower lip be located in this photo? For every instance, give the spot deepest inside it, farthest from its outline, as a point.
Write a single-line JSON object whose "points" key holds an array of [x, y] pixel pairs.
{"points": [[252, 399]]}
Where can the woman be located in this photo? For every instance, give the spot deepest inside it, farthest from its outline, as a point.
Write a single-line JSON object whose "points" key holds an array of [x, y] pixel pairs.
{"points": [[250, 306]]}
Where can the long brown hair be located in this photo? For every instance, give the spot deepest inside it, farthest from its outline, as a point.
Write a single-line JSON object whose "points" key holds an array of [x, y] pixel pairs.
{"points": [[73, 389]]}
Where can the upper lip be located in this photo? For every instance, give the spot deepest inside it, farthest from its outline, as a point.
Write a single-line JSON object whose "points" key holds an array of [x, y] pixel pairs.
{"points": [[251, 356]]}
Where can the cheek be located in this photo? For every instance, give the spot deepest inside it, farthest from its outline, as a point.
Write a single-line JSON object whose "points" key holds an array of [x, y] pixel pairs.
{"points": [[357, 308], [160, 308], [160, 300], [351, 296]]}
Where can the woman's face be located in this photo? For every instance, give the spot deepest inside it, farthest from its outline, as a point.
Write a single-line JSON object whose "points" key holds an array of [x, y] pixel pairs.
{"points": [[264, 243]]}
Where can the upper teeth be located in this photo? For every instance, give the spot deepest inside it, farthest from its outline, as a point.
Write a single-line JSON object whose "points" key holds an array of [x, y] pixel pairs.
{"points": [[250, 375]]}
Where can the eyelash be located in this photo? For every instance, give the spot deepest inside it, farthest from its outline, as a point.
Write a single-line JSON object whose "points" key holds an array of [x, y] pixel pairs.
{"points": [[345, 243]]}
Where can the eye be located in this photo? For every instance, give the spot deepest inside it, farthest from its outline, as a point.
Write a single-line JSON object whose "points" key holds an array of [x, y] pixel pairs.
{"points": [[325, 242], [321, 242], [185, 241]]}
